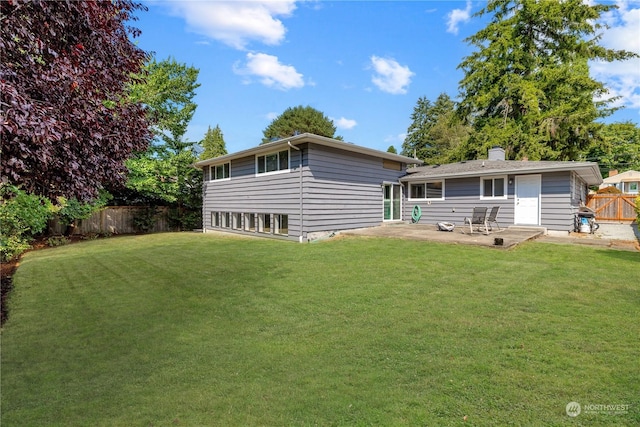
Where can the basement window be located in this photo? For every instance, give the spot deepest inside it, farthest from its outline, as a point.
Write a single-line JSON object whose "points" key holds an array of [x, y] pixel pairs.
{"points": [[281, 223]]}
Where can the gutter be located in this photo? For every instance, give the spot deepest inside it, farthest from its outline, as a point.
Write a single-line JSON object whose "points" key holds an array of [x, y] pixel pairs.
{"points": [[300, 238]]}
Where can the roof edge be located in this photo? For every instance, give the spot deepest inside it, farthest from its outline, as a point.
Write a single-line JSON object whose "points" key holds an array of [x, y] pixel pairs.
{"points": [[303, 138]]}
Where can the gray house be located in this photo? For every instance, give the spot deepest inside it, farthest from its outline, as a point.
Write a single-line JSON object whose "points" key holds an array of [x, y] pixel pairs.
{"points": [[531, 193], [302, 187]]}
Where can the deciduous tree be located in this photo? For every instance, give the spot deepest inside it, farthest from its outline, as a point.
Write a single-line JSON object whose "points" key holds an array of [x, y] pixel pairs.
{"points": [[164, 171], [66, 126], [527, 85], [298, 120]]}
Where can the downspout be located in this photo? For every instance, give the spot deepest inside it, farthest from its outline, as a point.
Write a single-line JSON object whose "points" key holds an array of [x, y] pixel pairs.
{"points": [[300, 238]]}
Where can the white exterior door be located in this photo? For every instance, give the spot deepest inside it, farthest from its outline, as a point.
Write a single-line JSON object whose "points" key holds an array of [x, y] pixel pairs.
{"points": [[527, 200]]}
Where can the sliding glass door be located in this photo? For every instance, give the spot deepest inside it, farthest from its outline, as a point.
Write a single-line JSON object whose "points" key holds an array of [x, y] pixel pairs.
{"points": [[392, 200]]}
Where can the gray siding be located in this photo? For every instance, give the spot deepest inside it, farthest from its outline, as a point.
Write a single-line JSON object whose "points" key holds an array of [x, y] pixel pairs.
{"points": [[247, 192], [344, 190], [461, 195], [556, 212], [557, 206]]}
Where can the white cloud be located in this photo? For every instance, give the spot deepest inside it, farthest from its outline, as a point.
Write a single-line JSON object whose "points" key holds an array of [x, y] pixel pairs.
{"points": [[270, 71], [458, 16], [343, 123], [621, 77], [390, 76], [236, 23]]}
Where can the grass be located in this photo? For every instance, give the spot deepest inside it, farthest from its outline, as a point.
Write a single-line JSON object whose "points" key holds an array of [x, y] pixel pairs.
{"points": [[189, 329]]}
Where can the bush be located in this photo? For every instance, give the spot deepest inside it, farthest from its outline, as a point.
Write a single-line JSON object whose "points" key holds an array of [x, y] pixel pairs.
{"points": [[71, 210], [22, 216], [609, 190], [58, 241], [145, 219], [638, 210]]}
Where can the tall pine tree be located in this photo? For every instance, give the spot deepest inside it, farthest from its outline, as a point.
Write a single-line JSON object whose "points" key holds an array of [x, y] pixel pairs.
{"points": [[527, 86], [435, 134], [213, 144]]}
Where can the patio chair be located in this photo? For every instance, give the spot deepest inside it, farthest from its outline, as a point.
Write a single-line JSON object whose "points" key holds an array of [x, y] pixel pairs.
{"points": [[492, 218], [479, 218]]}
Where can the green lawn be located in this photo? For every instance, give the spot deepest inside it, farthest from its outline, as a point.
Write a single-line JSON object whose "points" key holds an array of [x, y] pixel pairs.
{"points": [[193, 329]]}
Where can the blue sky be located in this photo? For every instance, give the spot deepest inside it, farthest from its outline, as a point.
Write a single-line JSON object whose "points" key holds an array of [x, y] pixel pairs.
{"points": [[364, 64]]}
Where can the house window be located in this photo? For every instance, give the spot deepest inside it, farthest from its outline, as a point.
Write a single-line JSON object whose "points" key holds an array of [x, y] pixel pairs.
{"points": [[417, 191], [215, 219], [250, 222], [236, 221], [493, 188], [274, 162], [281, 224], [427, 190], [225, 217], [219, 172], [264, 223], [632, 187]]}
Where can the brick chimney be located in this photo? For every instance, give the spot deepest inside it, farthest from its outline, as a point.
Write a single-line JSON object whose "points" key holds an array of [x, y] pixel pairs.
{"points": [[496, 153], [613, 172]]}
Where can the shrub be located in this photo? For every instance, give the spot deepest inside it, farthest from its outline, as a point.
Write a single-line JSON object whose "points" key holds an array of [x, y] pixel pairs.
{"points": [[22, 216], [145, 219], [638, 210], [58, 241], [71, 210], [609, 190]]}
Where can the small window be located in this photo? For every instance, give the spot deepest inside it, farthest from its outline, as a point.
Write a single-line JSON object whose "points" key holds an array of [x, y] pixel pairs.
{"points": [[237, 221], [427, 190], [225, 217], [273, 162], [250, 222], [417, 191], [220, 172], [434, 190], [281, 224], [264, 223], [215, 219], [494, 188]]}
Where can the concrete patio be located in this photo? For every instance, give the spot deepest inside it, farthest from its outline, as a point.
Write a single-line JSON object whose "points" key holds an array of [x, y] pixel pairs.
{"points": [[621, 237], [510, 236]]}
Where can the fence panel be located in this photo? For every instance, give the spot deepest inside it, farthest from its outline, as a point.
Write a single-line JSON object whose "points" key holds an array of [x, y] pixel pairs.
{"points": [[113, 220], [613, 207]]}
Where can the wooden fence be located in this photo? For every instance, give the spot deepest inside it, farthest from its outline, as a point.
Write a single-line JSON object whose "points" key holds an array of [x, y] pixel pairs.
{"points": [[613, 207], [114, 220]]}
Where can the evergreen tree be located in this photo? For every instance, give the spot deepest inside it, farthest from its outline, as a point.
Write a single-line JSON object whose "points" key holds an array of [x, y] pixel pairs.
{"points": [[299, 120], [213, 144], [527, 86], [619, 148], [392, 150], [434, 134]]}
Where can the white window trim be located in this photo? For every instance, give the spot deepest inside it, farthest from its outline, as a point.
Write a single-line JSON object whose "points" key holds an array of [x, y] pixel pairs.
{"points": [[212, 169], [506, 187], [287, 170], [411, 199]]}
